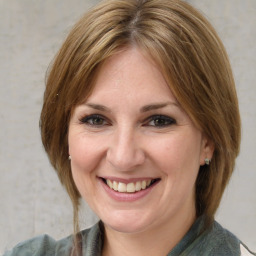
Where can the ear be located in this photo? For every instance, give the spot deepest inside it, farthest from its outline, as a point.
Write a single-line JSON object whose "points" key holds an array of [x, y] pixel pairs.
{"points": [[207, 149]]}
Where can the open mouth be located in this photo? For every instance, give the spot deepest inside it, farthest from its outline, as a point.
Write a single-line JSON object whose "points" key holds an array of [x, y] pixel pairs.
{"points": [[131, 187]]}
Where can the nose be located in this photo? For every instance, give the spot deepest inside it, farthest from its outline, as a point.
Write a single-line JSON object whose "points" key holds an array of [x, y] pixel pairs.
{"points": [[125, 151]]}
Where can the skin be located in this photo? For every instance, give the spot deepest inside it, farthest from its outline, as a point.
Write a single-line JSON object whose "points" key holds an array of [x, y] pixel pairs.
{"points": [[127, 141]]}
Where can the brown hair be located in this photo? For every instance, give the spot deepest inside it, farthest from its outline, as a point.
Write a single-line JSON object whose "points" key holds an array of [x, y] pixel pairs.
{"points": [[193, 60]]}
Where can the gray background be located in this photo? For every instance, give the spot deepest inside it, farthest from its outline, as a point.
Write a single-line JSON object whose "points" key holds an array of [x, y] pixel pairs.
{"points": [[32, 201]]}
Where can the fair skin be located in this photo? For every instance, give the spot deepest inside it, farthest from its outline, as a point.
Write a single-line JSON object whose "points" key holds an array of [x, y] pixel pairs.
{"points": [[130, 132]]}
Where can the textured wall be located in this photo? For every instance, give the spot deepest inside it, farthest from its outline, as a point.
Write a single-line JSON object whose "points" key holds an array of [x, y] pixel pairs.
{"points": [[31, 199]]}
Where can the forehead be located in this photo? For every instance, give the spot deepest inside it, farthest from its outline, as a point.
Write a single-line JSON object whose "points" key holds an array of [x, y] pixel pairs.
{"points": [[131, 73]]}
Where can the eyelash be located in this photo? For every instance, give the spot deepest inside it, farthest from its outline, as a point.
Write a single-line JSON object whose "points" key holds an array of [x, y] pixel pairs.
{"points": [[90, 120], [160, 121], [163, 121]]}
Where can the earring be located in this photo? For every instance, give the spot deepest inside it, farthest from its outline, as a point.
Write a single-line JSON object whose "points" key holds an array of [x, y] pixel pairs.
{"points": [[69, 157], [207, 161]]}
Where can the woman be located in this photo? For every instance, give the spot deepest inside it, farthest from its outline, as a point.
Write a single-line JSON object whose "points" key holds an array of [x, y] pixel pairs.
{"points": [[141, 120]]}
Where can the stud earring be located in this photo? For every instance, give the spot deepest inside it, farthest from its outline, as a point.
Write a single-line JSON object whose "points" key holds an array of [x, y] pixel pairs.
{"points": [[69, 157], [207, 161]]}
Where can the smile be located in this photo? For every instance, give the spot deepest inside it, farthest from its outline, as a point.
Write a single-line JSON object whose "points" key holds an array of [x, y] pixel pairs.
{"points": [[131, 187]]}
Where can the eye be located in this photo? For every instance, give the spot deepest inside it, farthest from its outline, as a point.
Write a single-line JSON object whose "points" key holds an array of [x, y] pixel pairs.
{"points": [[160, 121], [94, 120]]}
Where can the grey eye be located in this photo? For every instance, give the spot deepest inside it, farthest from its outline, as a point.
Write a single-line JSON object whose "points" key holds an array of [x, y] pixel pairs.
{"points": [[161, 121], [94, 120]]}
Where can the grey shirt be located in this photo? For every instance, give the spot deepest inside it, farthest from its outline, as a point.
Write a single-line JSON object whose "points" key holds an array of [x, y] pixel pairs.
{"points": [[213, 241]]}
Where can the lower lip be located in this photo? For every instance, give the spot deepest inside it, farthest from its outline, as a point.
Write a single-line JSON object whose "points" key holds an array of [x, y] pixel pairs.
{"points": [[127, 197]]}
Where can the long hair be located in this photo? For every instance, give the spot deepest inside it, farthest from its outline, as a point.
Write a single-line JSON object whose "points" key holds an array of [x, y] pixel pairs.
{"points": [[192, 59]]}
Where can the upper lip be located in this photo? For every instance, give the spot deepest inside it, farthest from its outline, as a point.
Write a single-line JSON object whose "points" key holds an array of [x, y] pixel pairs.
{"points": [[127, 181]]}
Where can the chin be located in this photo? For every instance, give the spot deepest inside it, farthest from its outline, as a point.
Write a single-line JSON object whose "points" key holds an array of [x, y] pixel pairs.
{"points": [[126, 223], [125, 228]]}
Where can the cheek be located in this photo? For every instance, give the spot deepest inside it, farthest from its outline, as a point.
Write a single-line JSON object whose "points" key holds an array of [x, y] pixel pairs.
{"points": [[84, 159], [177, 154], [85, 153]]}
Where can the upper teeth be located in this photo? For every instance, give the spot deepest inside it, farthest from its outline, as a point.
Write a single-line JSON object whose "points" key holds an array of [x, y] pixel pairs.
{"points": [[128, 188]]}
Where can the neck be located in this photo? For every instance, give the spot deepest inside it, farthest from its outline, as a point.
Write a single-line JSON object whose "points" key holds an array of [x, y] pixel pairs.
{"points": [[155, 241]]}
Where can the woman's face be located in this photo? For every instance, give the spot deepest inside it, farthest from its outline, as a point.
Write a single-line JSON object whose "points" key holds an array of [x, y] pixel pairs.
{"points": [[135, 154]]}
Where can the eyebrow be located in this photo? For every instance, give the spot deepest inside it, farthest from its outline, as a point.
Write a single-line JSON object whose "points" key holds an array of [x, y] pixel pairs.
{"points": [[157, 106], [98, 107], [146, 108]]}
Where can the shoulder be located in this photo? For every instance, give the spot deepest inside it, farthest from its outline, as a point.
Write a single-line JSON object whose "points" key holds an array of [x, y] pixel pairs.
{"points": [[225, 243], [245, 251], [90, 242], [212, 241], [42, 245]]}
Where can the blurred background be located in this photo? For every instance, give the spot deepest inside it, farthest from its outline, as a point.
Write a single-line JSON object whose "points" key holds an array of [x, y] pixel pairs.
{"points": [[32, 201]]}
